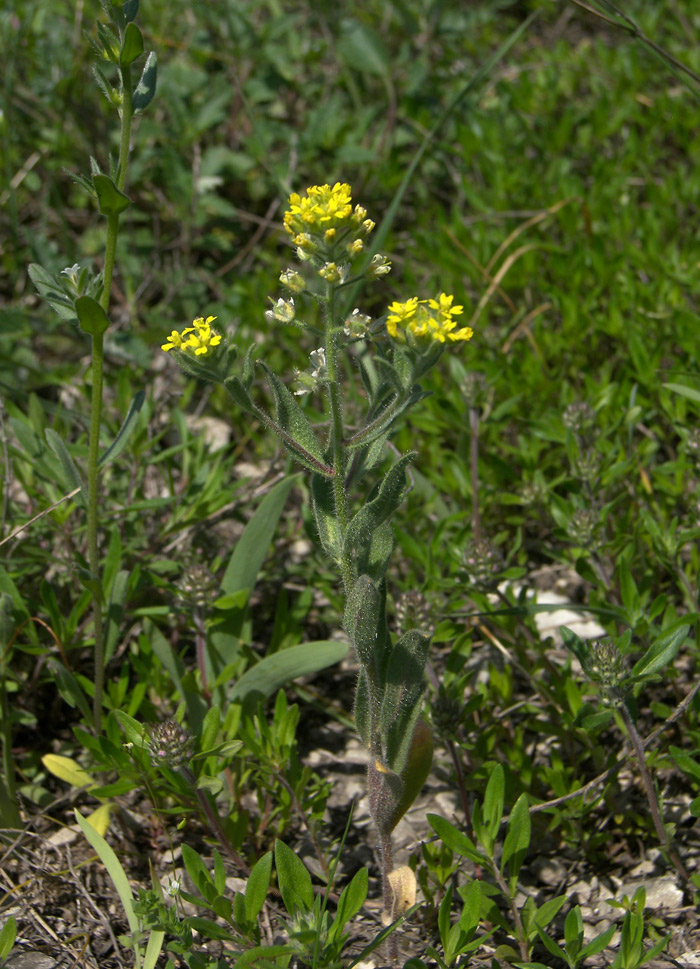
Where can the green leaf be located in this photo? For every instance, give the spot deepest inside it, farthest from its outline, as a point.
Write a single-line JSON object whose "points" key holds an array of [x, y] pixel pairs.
{"points": [[362, 48], [132, 45], [114, 870], [253, 546], [115, 612], [364, 612], [135, 732], [293, 879], [494, 799], [130, 9], [199, 873], [686, 763], [50, 290], [265, 957], [660, 653], [73, 479], [517, 840], [549, 910], [125, 431], [552, 946], [597, 944], [325, 516], [596, 720], [8, 934], [575, 645], [690, 392], [146, 87], [350, 902], [91, 316], [403, 686], [280, 668], [573, 932], [257, 886], [210, 728], [455, 839], [111, 201], [295, 431], [70, 689]]}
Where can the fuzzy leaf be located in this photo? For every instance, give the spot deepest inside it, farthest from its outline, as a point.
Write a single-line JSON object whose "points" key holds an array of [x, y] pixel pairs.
{"points": [[364, 612], [73, 479], [146, 87], [323, 505], [297, 434], [125, 431], [403, 688]]}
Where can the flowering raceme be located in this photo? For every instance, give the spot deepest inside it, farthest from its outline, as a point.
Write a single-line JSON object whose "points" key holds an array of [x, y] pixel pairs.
{"points": [[198, 338], [322, 218], [431, 319]]}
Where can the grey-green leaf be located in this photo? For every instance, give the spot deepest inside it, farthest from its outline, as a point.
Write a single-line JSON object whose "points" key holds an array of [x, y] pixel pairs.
{"points": [[125, 431], [73, 479], [276, 670], [146, 87]]}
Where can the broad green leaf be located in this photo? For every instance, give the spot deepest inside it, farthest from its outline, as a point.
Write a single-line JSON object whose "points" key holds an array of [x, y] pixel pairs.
{"points": [[73, 478], [280, 668], [573, 931], [552, 946], [257, 886], [132, 45], [125, 431], [111, 201], [210, 728], [146, 86], [265, 957], [253, 546], [69, 688], [91, 316], [660, 654], [199, 873], [517, 840], [455, 839], [350, 902], [115, 612], [293, 879]]}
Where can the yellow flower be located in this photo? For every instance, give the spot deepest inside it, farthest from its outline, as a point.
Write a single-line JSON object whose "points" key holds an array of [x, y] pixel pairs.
{"points": [[198, 338], [431, 319], [321, 208]]}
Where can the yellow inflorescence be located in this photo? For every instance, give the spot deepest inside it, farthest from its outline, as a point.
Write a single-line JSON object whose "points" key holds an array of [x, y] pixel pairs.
{"points": [[322, 216], [198, 338], [431, 319]]}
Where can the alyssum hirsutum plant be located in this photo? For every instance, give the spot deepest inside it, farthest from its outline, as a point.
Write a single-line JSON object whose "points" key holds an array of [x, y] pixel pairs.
{"points": [[353, 495]]}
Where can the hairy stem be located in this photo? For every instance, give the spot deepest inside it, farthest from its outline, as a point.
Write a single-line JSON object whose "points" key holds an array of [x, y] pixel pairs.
{"points": [[661, 832], [96, 405]]}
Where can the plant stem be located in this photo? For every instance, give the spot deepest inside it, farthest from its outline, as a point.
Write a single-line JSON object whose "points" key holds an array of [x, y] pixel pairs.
{"points": [[96, 404], [522, 941], [651, 794], [339, 457]]}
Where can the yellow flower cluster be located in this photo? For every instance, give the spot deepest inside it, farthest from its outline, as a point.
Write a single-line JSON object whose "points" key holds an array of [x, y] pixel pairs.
{"points": [[198, 338], [322, 216], [431, 319]]}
